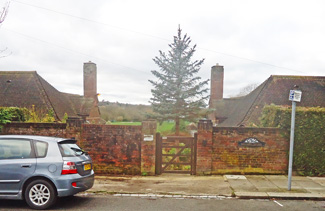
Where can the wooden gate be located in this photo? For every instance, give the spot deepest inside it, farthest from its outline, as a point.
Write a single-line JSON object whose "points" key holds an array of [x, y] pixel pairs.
{"points": [[175, 154]]}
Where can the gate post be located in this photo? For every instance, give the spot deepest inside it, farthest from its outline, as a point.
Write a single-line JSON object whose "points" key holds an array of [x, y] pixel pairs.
{"points": [[158, 154], [148, 147], [204, 147], [194, 155]]}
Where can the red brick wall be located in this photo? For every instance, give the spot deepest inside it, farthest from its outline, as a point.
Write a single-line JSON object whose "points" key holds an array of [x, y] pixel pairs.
{"points": [[115, 149], [229, 157], [41, 129]]}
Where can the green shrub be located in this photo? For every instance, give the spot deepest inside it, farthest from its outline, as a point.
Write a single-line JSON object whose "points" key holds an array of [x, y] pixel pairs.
{"points": [[15, 113], [5, 116], [49, 117], [309, 143], [65, 118], [9, 114]]}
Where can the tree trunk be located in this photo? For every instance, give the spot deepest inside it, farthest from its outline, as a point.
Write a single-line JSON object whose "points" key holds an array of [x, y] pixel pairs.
{"points": [[177, 126]]}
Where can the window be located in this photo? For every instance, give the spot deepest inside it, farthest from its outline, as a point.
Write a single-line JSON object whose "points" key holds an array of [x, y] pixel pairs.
{"points": [[41, 149], [15, 149], [70, 149]]}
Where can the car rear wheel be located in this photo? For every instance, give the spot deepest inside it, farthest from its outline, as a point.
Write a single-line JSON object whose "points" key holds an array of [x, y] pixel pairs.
{"points": [[40, 194]]}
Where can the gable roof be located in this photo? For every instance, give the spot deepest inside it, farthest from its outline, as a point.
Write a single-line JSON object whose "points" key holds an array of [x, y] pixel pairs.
{"points": [[27, 88], [247, 109]]}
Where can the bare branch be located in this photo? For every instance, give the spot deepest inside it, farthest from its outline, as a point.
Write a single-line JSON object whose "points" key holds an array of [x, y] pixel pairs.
{"points": [[247, 89], [4, 12], [5, 55], [3, 15]]}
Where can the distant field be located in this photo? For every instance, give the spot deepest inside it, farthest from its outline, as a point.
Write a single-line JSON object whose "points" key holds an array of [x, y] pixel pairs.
{"points": [[165, 128], [125, 123]]}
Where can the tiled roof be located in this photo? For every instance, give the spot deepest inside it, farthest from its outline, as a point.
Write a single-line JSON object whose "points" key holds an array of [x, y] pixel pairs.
{"points": [[247, 109], [27, 88]]}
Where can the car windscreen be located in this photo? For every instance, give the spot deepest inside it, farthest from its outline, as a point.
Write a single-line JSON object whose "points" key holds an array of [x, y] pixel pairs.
{"points": [[69, 149]]}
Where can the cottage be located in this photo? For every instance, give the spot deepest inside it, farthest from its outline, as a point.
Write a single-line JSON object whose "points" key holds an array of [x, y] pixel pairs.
{"points": [[28, 89], [246, 110]]}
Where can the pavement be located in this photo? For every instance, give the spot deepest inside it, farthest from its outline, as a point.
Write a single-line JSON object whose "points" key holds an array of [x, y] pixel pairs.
{"points": [[240, 186]]}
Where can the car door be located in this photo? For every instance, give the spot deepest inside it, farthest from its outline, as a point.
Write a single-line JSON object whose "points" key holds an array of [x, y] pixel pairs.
{"points": [[17, 163]]}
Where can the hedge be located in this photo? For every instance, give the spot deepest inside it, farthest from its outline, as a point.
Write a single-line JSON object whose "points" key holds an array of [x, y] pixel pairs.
{"points": [[8, 114], [309, 142], [14, 114]]}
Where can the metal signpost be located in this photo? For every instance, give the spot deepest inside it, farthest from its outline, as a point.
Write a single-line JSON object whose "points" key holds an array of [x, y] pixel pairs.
{"points": [[294, 96]]}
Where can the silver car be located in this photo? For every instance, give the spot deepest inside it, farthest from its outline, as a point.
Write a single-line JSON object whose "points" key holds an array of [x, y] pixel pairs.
{"points": [[39, 169]]}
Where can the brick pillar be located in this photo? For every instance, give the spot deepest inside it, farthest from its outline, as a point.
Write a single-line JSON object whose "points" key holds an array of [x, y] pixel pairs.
{"points": [[73, 129], [148, 147], [74, 121], [204, 147]]}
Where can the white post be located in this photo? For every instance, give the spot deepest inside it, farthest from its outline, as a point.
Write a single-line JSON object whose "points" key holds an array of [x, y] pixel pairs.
{"points": [[292, 137]]}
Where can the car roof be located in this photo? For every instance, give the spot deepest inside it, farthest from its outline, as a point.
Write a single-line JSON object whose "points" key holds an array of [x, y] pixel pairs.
{"points": [[38, 138]]}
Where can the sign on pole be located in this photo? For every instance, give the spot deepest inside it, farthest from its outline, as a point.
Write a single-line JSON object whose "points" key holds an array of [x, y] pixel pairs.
{"points": [[294, 96]]}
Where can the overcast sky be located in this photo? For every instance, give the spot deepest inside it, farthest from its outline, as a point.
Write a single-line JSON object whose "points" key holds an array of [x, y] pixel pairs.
{"points": [[252, 39]]}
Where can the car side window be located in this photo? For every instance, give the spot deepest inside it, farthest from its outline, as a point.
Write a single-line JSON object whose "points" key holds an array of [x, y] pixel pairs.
{"points": [[41, 149], [15, 149]]}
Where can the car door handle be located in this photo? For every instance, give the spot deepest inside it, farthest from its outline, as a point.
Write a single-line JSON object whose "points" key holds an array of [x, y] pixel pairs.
{"points": [[26, 165]]}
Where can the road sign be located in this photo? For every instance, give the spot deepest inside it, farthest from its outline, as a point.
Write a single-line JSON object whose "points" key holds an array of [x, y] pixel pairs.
{"points": [[295, 95]]}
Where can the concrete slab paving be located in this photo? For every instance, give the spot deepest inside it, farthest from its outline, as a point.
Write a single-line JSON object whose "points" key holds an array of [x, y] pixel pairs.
{"points": [[262, 183], [182, 186], [166, 184], [234, 177], [281, 182], [319, 180], [241, 185], [311, 186], [300, 178]]}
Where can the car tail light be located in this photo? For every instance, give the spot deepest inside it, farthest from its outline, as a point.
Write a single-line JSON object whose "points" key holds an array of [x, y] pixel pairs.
{"points": [[69, 168], [74, 184]]}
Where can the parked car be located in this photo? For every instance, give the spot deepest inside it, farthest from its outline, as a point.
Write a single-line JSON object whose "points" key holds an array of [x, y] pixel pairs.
{"points": [[39, 169]]}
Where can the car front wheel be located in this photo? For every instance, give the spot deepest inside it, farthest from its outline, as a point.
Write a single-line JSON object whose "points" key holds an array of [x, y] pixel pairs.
{"points": [[40, 194]]}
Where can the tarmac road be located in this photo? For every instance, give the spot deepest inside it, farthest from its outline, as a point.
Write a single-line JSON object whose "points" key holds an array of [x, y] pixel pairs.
{"points": [[109, 202]]}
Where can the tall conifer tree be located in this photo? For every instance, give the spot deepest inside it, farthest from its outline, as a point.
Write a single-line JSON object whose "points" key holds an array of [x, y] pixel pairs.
{"points": [[178, 92]]}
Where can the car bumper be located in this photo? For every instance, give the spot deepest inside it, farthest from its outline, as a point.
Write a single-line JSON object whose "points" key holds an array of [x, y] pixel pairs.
{"points": [[83, 183]]}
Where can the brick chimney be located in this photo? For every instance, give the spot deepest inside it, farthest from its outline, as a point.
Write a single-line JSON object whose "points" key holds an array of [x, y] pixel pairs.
{"points": [[90, 80], [216, 85]]}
